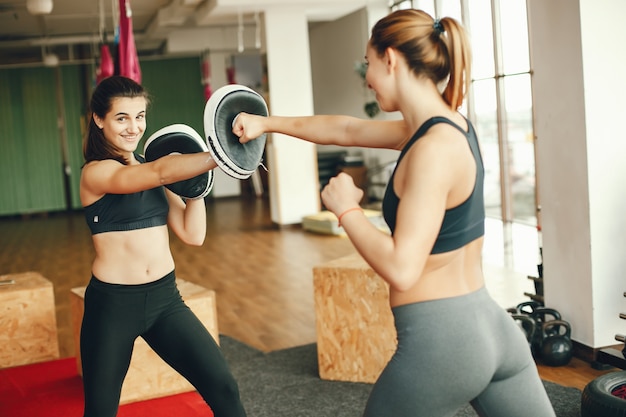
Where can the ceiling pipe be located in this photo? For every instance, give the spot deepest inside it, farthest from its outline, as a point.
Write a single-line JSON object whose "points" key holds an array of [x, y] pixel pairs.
{"points": [[61, 40], [240, 30], [73, 61], [94, 39]]}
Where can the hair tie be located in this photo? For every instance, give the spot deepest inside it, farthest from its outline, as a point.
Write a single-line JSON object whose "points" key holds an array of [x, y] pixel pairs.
{"points": [[438, 27]]}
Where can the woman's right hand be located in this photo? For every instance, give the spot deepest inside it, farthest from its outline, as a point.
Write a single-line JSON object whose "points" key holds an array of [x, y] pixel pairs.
{"points": [[341, 194], [248, 127]]}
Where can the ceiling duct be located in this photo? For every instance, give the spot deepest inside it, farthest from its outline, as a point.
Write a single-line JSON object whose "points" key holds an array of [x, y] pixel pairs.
{"points": [[177, 13]]}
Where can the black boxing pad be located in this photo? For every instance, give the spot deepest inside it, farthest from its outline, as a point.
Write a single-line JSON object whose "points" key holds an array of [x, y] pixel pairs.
{"points": [[234, 158], [180, 139]]}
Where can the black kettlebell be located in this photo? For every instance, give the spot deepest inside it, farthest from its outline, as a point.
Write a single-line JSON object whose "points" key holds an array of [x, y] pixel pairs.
{"points": [[556, 346], [527, 307], [542, 315], [526, 325]]}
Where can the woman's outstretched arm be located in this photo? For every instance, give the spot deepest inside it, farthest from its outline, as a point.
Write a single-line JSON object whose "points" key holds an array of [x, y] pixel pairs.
{"points": [[326, 130]]}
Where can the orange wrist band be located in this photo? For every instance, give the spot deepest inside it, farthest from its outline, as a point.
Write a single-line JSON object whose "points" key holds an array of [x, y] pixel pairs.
{"points": [[346, 212]]}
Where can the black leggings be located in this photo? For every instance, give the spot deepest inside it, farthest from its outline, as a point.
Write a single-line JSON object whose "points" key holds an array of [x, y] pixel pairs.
{"points": [[115, 315]]}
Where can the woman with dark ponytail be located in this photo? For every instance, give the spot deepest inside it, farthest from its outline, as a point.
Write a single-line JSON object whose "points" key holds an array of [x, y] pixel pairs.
{"points": [[132, 291], [456, 345]]}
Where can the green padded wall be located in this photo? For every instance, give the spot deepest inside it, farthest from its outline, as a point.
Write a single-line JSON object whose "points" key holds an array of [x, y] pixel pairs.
{"points": [[32, 172], [75, 111], [31, 177], [176, 92]]}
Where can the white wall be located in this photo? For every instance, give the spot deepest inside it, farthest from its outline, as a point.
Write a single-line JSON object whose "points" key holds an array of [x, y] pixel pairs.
{"points": [[580, 160], [337, 89], [604, 60], [335, 47], [224, 185], [293, 182]]}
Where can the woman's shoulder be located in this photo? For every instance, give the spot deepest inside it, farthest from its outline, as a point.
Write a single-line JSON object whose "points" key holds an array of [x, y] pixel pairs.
{"points": [[99, 165]]}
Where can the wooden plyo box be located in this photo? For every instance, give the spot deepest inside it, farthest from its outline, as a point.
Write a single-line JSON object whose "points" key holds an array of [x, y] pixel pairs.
{"points": [[356, 335], [28, 326], [149, 376]]}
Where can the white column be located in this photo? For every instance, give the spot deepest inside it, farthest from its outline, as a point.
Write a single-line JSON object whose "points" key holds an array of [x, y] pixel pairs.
{"points": [[292, 163], [224, 185], [576, 54]]}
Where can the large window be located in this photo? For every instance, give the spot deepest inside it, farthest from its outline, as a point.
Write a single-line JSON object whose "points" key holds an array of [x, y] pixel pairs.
{"points": [[500, 102]]}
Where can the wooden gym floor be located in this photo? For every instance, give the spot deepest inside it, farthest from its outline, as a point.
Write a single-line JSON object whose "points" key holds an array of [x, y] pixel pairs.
{"points": [[261, 273]]}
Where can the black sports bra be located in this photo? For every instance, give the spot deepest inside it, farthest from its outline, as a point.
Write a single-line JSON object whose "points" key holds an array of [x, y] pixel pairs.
{"points": [[461, 224], [119, 212]]}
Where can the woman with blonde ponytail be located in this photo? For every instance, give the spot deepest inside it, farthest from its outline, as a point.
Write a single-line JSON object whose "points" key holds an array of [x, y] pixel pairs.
{"points": [[455, 344]]}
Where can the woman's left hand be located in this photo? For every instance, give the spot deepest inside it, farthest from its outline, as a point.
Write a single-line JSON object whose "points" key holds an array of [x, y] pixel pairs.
{"points": [[340, 194]]}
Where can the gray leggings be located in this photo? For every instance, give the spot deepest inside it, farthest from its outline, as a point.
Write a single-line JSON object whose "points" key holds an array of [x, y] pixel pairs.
{"points": [[456, 351]]}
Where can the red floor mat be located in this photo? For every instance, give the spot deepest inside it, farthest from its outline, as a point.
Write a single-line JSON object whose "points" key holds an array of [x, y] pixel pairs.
{"points": [[54, 389]]}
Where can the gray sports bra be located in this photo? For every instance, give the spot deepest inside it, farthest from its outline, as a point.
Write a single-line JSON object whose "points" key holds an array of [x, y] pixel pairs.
{"points": [[120, 212], [461, 224]]}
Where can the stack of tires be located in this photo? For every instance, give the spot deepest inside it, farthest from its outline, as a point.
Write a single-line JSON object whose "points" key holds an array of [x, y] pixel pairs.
{"points": [[605, 396]]}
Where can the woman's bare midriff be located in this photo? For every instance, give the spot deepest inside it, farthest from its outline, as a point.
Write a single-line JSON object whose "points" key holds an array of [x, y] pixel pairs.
{"points": [[132, 257], [446, 275]]}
